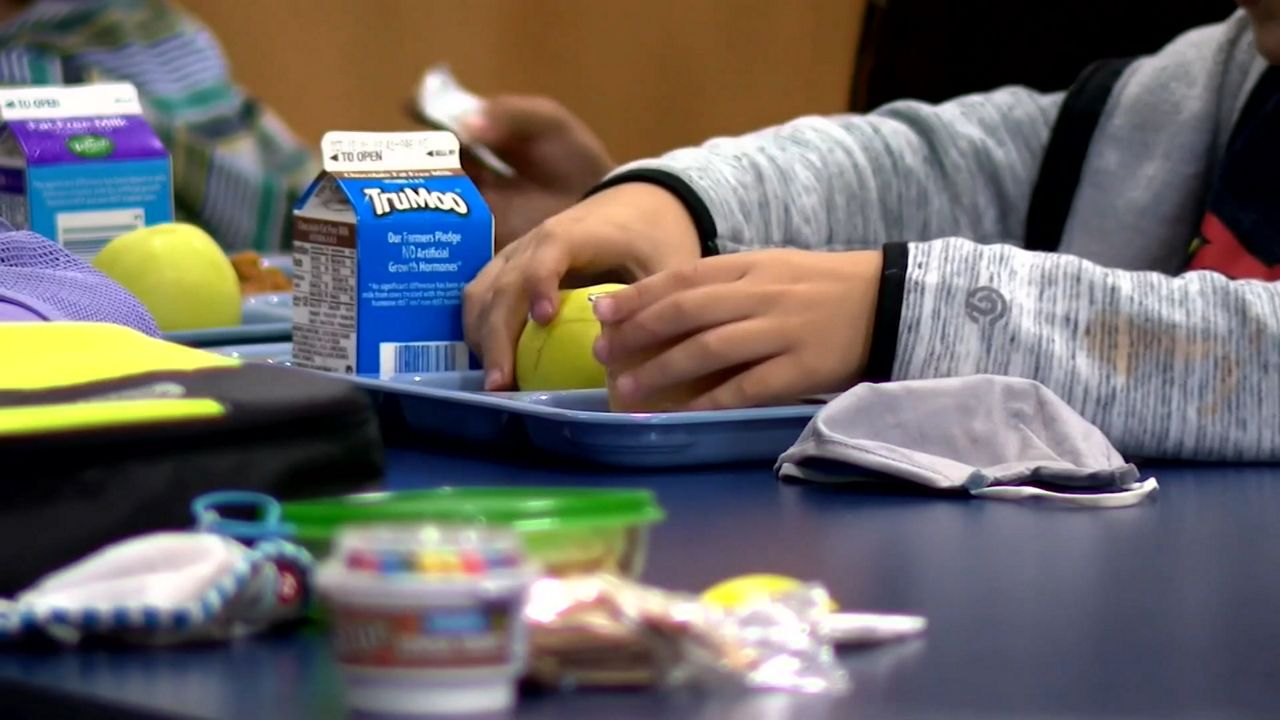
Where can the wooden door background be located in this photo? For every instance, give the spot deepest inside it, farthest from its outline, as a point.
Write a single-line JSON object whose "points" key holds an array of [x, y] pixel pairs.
{"points": [[648, 75]]}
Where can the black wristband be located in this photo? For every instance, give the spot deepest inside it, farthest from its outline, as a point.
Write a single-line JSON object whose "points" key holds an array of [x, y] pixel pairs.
{"points": [[684, 192], [884, 337]]}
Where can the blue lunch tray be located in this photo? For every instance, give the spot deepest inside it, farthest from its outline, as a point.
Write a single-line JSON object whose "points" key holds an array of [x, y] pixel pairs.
{"points": [[264, 318], [572, 423]]}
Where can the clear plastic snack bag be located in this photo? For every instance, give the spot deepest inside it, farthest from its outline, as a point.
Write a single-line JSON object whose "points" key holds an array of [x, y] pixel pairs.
{"points": [[600, 630]]}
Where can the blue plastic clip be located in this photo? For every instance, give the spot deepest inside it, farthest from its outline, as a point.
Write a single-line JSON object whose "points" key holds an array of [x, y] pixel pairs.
{"points": [[268, 525]]}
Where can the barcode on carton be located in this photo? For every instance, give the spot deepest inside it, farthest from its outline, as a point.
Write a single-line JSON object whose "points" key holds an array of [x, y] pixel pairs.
{"points": [[85, 233], [426, 357]]}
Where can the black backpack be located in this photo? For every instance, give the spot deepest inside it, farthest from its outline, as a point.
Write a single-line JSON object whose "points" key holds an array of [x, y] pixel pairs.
{"points": [[106, 433]]}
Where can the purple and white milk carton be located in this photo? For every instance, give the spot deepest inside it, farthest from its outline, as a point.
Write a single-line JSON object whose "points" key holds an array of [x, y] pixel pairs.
{"points": [[80, 165]]}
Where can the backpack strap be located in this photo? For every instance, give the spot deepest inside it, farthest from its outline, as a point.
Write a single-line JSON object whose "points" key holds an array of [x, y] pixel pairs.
{"points": [[1063, 162]]}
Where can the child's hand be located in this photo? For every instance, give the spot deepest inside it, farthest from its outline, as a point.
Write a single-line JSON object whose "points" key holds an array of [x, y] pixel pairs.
{"points": [[778, 324], [627, 232], [557, 159]]}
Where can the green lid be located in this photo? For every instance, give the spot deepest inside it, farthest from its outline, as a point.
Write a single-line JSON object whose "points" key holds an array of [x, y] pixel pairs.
{"points": [[524, 509]]}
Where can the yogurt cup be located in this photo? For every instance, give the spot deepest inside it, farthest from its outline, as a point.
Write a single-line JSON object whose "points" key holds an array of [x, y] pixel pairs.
{"points": [[428, 619]]}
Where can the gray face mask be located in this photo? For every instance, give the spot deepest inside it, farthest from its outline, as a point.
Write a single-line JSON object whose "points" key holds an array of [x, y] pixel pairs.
{"points": [[994, 437]]}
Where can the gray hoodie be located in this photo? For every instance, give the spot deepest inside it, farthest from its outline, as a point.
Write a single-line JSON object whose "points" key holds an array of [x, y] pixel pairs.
{"points": [[1178, 366]]}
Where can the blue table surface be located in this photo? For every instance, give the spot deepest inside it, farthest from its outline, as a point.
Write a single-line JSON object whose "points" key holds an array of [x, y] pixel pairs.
{"points": [[1166, 610]]}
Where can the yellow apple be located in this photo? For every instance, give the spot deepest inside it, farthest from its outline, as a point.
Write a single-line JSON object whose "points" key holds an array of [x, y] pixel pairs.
{"points": [[178, 272], [558, 356]]}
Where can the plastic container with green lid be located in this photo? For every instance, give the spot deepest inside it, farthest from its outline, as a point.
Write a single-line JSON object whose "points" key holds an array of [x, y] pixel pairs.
{"points": [[566, 530]]}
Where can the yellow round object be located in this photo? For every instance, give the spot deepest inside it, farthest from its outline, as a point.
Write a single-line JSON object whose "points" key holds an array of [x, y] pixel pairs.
{"points": [[557, 356], [178, 272], [746, 590]]}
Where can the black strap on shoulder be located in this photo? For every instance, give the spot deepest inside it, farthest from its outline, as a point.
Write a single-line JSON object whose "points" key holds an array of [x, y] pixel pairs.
{"points": [[1063, 161]]}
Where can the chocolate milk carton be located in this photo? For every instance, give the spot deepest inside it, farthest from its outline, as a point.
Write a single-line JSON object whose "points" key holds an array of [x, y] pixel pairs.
{"points": [[384, 241], [80, 165]]}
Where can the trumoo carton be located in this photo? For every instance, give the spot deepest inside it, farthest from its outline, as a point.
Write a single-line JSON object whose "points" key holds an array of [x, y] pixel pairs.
{"points": [[384, 241]]}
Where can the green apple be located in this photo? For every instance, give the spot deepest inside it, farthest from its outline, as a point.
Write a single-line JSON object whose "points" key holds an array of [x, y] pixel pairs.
{"points": [[178, 272], [558, 356]]}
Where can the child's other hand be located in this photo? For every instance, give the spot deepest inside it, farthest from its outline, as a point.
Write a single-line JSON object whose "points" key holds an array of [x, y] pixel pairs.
{"points": [[557, 159], [624, 233], [775, 324]]}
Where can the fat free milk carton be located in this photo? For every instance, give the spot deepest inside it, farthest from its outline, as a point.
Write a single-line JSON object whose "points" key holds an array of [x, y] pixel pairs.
{"points": [[384, 241], [80, 165]]}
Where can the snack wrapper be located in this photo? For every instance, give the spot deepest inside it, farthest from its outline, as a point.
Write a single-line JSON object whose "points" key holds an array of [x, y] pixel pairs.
{"points": [[601, 630], [445, 103]]}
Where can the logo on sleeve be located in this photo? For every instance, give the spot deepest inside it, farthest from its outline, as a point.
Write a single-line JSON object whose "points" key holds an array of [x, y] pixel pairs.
{"points": [[986, 305]]}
